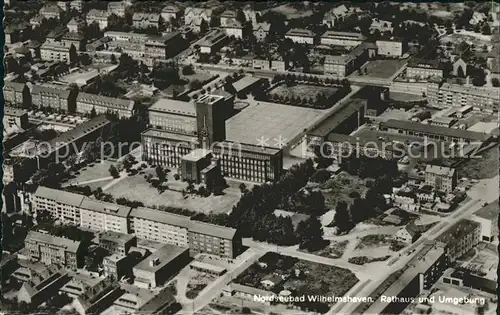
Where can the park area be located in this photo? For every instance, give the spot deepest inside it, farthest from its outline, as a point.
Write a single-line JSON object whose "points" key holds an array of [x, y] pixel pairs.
{"points": [[136, 188], [302, 91], [133, 186]]}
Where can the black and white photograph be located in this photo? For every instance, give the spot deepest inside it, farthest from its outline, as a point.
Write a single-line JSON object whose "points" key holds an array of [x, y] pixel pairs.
{"points": [[248, 157]]}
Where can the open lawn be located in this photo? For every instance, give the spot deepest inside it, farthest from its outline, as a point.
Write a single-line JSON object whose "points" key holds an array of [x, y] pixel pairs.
{"points": [[92, 173], [302, 90], [384, 69], [136, 188], [374, 240], [333, 250]]}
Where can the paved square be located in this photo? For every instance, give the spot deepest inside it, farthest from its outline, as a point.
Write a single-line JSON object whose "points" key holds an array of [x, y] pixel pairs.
{"points": [[270, 121]]}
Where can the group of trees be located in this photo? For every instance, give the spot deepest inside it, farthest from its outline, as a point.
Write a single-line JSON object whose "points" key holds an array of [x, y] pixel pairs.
{"points": [[254, 214], [383, 176]]}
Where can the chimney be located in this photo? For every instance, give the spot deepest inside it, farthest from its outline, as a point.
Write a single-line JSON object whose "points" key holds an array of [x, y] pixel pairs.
{"points": [[154, 262]]}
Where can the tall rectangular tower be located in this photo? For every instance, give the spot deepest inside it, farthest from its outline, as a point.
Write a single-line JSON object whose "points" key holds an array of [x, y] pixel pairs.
{"points": [[211, 119]]}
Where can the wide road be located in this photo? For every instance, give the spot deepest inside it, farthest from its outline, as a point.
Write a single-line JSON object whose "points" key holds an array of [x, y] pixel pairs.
{"points": [[484, 191]]}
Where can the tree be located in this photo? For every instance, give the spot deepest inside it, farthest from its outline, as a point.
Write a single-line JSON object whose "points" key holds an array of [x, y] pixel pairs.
{"points": [[243, 188], [310, 234], [113, 171], [187, 70], [495, 82], [486, 30], [93, 113], [160, 173], [342, 217], [240, 17]]}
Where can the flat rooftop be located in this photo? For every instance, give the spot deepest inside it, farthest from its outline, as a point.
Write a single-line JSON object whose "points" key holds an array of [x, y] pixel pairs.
{"points": [[444, 131], [329, 124], [116, 237], [164, 135], [105, 207], [491, 211], [163, 256], [269, 121], [9, 111], [455, 233], [166, 105], [196, 155]]}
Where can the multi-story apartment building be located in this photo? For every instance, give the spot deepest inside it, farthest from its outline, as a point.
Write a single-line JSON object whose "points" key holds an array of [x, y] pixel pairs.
{"points": [[227, 17], [191, 14], [341, 144], [117, 243], [334, 15], [301, 36], [346, 39], [448, 94], [249, 162], [155, 225], [118, 8], [261, 30], [127, 36], [339, 66], [275, 64], [233, 28], [441, 178], [390, 47], [76, 25], [212, 42], [146, 20], [460, 238], [58, 52], [14, 116], [432, 132], [50, 249], [74, 39], [170, 12], [51, 11], [69, 142], [17, 94], [62, 206], [76, 5], [85, 102], [98, 16], [103, 216], [55, 97], [424, 69], [160, 226], [213, 239]]}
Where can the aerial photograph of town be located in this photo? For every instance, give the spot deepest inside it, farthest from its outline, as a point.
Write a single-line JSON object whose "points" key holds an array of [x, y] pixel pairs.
{"points": [[245, 157]]}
